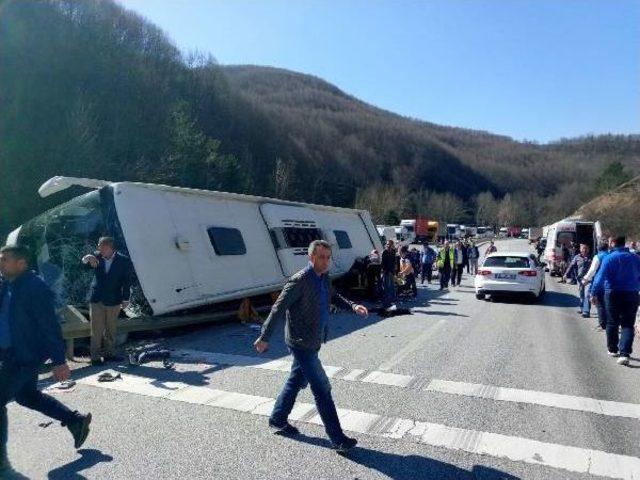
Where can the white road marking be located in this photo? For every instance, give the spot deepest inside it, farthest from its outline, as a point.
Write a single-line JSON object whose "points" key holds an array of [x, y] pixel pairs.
{"points": [[354, 375], [385, 378], [547, 399], [505, 394], [513, 448]]}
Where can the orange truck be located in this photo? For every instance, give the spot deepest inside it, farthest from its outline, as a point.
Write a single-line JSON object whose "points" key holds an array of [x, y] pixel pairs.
{"points": [[426, 230]]}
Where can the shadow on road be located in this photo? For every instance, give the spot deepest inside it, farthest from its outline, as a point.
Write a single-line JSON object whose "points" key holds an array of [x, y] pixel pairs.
{"points": [[560, 299], [549, 299], [71, 471], [439, 313], [410, 467]]}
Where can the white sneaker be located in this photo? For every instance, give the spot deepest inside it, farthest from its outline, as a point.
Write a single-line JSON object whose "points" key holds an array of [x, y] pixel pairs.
{"points": [[623, 361], [613, 354]]}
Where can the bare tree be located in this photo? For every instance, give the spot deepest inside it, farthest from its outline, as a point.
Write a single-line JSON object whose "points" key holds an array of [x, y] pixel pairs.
{"points": [[486, 209], [445, 207]]}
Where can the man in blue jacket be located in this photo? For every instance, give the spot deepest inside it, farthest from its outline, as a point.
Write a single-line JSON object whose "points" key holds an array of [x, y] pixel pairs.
{"points": [[30, 334], [619, 278], [110, 292]]}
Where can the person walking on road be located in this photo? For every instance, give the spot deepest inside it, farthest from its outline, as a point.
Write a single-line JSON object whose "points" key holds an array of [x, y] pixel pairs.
{"points": [[474, 254], [465, 255], [388, 275], [603, 251], [30, 334], [427, 258], [491, 248], [578, 269], [456, 277], [305, 301], [619, 278], [110, 292], [445, 264]]}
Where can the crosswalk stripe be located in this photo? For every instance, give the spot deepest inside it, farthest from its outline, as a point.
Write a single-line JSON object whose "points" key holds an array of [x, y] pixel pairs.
{"points": [[505, 394], [547, 399], [513, 448], [353, 375]]}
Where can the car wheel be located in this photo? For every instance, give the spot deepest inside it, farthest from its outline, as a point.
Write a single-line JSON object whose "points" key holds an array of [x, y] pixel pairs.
{"points": [[480, 296]]}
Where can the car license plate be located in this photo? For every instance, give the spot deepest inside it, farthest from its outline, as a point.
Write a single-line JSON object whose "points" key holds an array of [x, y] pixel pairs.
{"points": [[505, 276]]}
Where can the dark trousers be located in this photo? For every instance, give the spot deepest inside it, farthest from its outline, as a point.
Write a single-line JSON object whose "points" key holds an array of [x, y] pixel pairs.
{"points": [[411, 282], [426, 271], [622, 308], [456, 277], [20, 383], [307, 370], [389, 289], [602, 311], [445, 274], [373, 281]]}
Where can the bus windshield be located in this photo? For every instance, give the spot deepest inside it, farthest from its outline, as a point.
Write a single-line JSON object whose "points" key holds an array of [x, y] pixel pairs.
{"points": [[58, 238]]}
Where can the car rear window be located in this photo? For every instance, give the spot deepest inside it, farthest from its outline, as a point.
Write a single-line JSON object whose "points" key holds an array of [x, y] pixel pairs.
{"points": [[507, 262]]}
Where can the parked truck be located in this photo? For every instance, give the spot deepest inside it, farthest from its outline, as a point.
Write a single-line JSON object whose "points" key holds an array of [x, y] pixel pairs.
{"points": [[420, 230]]}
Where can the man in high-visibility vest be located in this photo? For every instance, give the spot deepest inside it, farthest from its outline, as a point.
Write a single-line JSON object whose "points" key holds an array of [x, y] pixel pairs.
{"points": [[445, 263]]}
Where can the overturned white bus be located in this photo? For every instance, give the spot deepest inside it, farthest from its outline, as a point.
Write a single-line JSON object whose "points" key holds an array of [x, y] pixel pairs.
{"points": [[189, 247]]}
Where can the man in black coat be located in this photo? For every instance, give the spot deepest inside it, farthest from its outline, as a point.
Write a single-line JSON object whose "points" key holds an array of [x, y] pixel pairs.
{"points": [[30, 334], [110, 292]]}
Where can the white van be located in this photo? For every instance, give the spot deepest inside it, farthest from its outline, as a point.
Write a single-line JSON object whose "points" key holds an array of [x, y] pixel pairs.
{"points": [[410, 227], [453, 231], [402, 235], [566, 232]]}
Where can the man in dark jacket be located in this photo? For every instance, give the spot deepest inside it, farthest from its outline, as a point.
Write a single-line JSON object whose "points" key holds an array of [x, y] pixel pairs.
{"points": [[465, 255], [619, 278], [110, 292], [389, 266], [29, 335], [305, 301]]}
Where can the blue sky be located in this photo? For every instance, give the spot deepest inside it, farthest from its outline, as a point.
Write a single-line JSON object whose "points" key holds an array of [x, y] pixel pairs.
{"points": [[535, 69]]}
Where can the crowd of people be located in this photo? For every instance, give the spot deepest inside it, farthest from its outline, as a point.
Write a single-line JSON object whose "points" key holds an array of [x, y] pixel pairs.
{"points": [[397, 270], [30, 331], [610, 281]]}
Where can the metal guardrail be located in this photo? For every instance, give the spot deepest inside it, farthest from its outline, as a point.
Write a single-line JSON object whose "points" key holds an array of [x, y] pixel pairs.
{"points": [[76, 325]]}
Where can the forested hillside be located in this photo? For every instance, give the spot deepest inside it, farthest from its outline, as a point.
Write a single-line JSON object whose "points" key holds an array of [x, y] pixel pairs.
{"points": [[90, 89], [524, 183]]}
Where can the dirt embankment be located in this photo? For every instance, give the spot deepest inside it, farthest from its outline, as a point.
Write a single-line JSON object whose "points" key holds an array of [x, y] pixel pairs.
{"points": [[618, 210]]}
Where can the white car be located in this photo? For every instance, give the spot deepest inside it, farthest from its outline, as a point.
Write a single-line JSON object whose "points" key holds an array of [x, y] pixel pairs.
{"points": [[510, 273]]}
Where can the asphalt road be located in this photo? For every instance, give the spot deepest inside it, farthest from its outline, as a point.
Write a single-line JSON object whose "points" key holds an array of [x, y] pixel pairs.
{"points": [[461, 388]]}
